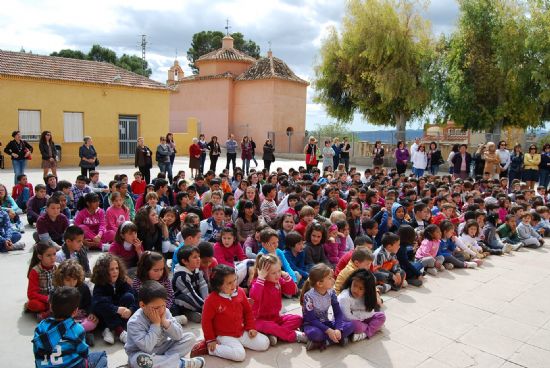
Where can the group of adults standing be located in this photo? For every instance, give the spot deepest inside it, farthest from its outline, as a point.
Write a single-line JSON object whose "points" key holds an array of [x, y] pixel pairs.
{"points": [[333, 154]]}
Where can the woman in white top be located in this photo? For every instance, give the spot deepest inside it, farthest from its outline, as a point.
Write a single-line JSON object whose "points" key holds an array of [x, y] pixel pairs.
{"points": [[505, 159], [328, 156], [419, 161]]}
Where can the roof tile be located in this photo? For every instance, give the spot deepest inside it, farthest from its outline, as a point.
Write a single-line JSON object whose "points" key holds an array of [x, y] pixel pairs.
{"points": [[230, 54], [268, 68]]}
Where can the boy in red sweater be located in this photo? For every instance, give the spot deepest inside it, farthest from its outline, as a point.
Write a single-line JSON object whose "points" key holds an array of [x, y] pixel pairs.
{"points": [[307, 214], [138, 185], [227, 320], [22, 192]]}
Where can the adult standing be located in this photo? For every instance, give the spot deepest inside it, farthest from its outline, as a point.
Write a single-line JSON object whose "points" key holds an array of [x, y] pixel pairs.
{"points": [[48, 153], [231, 147], [253, 145], [214, 151], [544, 167], [531, 161], [246, 154], [143, 159], [516, 164], [378, 153], [268, 154], [194, 158], [419, 160], [504, 156], [345, 147], [88, 156], [461, 163], [204, 148], [415, 145], [311, 153], [402, 157], [479, 160], [170, 142], [19, 151], [453, 152], [492, 161], [328, 156], [434, 158], [336, 148], [164, 151]]}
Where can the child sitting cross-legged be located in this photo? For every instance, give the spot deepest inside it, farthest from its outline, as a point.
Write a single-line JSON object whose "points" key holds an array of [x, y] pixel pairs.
{"points": [[266, 291], [227, 320], [385, 258], [40, 275], [358, 301], [270, 242], [73, 249], [189, 284], [361, 258], [155, 338], [527, 234], [295, 256], [60, 339]]}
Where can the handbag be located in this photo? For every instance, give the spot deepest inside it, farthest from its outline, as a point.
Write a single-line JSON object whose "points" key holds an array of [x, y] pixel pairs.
{"points": [[377, 161], [96, 162], [27, 154]]}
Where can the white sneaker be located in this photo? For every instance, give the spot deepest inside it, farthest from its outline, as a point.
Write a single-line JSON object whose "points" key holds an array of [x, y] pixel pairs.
{"points": [[301, 337], [404, 284], [516, 247], [192, 362], [449, 266], [507, 248], [181, 319], [123, 337], [272, 340], [19, 245], [470, 264], [432, 271], [108, 336], [359, 336]]}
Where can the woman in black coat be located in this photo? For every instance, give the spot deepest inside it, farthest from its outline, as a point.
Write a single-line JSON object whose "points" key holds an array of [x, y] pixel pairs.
{"points": [[268, 155], [144, 159], [88, 157], [19, 151], [214, 151], [48, 152], [434, 158]]}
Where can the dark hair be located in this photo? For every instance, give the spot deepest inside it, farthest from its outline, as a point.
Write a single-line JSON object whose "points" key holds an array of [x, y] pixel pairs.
{"points": [[316, 273], [362, 240], [246, 204], [389, 239], [63, 184], [406, 234], [177, 222], [187, 231], [43, 137], [14, 133], [68, 268], [146, 262], [142, 219], [39, 249], [429, 231], [446, 225], [21, 176], [228, 230], [266, 188], [159, 183], [86, 199], [82, 178], [218, 276], [125, 227], [52, 200], [471, 223], [185, 252], [316, 226], [39, 187], [492, 218], [206, 249], [100, 273], [151, 290], [267, 234], [72, 232], [361, 255], [64, 301], [369, 284], [292, 238]]}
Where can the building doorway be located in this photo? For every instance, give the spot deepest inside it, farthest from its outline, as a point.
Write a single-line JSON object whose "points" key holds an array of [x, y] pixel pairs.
{"points": [[127, 135]]}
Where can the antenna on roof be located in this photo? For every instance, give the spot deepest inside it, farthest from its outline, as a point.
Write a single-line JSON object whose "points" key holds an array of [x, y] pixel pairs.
{"points": [[143, 49], [176, 53], [227, 27]]}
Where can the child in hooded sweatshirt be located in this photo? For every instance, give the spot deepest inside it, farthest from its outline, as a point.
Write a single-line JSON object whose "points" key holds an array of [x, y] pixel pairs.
{"points": [[398, 217], [267, 288]]}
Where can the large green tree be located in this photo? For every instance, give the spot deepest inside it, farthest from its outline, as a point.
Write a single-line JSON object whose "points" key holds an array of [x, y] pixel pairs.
{"points": [[132, 63], [378, 65], [485, 76], [206, 41]]}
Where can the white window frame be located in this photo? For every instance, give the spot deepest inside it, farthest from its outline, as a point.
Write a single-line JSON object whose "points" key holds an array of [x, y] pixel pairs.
{"points": [[29, 125], [73, 126]]}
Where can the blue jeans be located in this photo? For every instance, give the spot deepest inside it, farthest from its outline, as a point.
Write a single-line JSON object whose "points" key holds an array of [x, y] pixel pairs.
{"points": [[246, 165], [418, 172], [18, 168], [96, 359], [166, 167], [434, 169], [544, 177]]}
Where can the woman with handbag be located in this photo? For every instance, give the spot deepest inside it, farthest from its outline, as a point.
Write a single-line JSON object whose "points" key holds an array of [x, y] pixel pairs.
{"points": [[48, 152], [214, 151], [268, 155], [19, 151], [516, 164], [143, 160], [88, 157], [434, 158], [378, 152], [311, 154]]}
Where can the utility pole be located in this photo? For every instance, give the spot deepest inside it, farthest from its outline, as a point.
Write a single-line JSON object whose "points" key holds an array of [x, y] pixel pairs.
{"points": [[143, 49], [227, 27]]}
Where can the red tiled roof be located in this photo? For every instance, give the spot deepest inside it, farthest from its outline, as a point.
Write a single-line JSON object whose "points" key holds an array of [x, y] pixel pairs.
{"points": [[59, 68], [230, 54], [270, 68], [226, 75]]}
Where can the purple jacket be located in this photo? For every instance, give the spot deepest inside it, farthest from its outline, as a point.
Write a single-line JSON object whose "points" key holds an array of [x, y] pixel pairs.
{"points": [[402, 155]]}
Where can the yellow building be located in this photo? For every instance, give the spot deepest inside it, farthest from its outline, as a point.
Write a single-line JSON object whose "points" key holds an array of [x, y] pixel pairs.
{"points": [[76, 98]]}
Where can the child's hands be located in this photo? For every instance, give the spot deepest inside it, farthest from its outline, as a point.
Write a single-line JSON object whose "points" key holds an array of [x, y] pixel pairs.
{"points": [[262, 273], [397, 279], [97, 239], [333, 335], [153, 315], [285, 275], [252, 333], [124, 312], [8, 244], [212, 345], [137, 244]]}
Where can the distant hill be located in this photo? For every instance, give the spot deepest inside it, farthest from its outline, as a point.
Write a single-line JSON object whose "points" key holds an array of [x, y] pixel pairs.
{"points": [[386, 136]]}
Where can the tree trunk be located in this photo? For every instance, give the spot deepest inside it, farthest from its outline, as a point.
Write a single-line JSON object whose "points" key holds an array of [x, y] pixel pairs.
{"points": [[401, 123]]}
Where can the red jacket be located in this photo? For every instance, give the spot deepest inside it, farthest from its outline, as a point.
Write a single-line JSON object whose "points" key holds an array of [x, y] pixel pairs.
{"points": [[18, 189], [226, 316], [194, 150], [227, 256], [138, 188], [267, 297], [300, 227]]}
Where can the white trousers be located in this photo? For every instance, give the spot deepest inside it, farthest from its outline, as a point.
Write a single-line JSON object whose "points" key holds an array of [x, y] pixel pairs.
{"points": [[232, 348]]}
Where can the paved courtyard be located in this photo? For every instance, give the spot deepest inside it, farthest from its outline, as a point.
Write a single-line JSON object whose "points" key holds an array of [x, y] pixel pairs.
{"points": [[495, 316]]}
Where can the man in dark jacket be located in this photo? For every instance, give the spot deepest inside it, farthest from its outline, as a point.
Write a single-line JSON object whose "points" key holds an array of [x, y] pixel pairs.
{"points": [[461, 163]]}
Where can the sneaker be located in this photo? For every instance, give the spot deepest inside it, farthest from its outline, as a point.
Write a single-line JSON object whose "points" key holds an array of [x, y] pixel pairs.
{"points": [[449, 266], [301, 337], [144, 361], [272, 340], [90, 339], [123, 337], [478, 261], [19, 245], [108, 336], [507, 248], [404, 284], [192, 363], [194, 317], [384, 288], [516, 247], [314, 345], [181, 319], [199, 349], [470, 264], [415, 282], [359, 336], [432, 271], [343, 342]]}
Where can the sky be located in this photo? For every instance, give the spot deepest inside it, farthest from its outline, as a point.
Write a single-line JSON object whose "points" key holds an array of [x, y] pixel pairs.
{"points": [[295, 29]]}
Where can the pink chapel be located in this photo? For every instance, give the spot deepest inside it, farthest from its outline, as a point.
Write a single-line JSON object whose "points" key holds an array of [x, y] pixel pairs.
{"points": [[235, 93]]}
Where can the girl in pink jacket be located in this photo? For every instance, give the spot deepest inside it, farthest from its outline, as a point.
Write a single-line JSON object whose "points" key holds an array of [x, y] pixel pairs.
{"points": [[117, 214], [266, 291], [91, 219], [427, 252]]}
